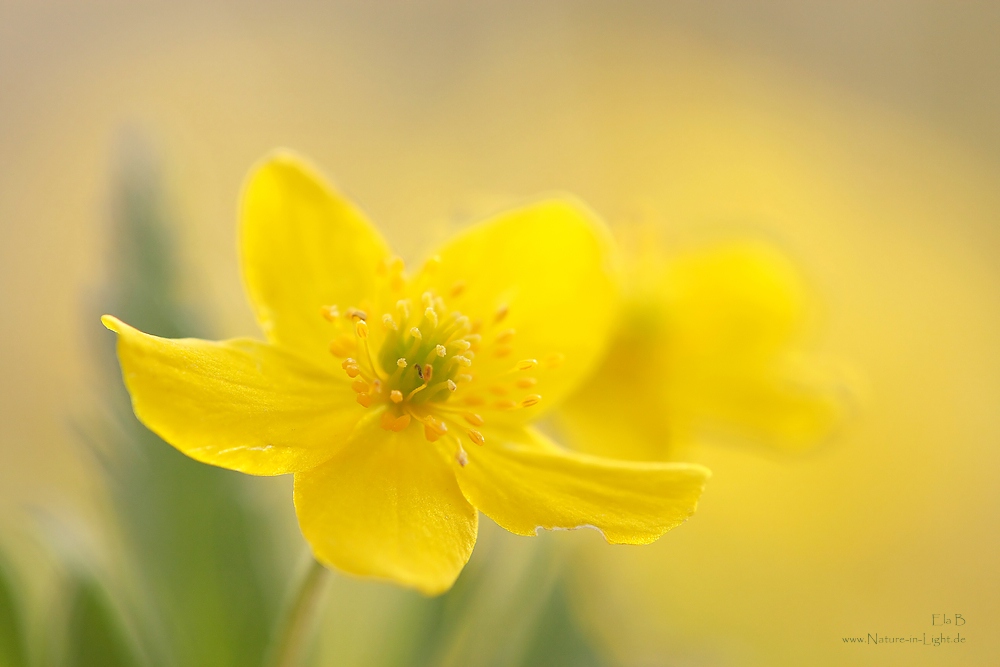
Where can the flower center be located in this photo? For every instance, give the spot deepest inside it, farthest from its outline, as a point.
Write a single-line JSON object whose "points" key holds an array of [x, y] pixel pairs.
{"points": [[422, 370]]}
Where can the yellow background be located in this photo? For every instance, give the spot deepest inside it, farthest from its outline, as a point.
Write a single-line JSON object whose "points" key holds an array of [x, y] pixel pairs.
{"points": [[859, 137]]}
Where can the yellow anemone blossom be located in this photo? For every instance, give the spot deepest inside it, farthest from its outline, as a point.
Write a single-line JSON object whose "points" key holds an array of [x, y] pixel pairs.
{"points": [[402, 404], [713, 340]]}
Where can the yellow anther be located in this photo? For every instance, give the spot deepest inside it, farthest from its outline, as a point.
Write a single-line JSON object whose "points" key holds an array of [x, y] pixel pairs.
{"points": [[353, 371], [427, 298], [401, 362], [360, 386], [431, 316], [349, 361], [387, 420], [457, 288], [361, 327], [502, 351], [505, 336], [389, 322], [415, 332], [396, 265], [329, 313], [474, 339], [461, 345], [501, 313], [526, 364], [401, 422], [396, 396], [476, 436], [505, 404], [528, 401], [462, 361], [365, 399], [555, 360], [461, 457], [473, 419], [432, 264], [463, 377], [451, 385], [474, 400], [497, 390], [441, 350], [342, 346], [426, 374], [469, 354], [356, 314]]}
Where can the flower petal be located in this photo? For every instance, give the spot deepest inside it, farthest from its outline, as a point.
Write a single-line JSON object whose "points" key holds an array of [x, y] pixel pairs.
{"points": [[304, 246], [524, 483], [238, 404], [387, 506], [715, 339], [544, 272]]}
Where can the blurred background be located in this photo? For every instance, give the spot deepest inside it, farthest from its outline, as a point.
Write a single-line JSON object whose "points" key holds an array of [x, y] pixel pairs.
{"points": [[860, 138]]}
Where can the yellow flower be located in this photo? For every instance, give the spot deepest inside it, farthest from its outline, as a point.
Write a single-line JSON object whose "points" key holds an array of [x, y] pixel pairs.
{"points": [[402, 404], [713, 342]]}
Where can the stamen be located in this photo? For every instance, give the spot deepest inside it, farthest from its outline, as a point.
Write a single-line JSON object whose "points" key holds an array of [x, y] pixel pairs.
{"points": [[505, 336], [431, 316], [389, 322], [497, 390], [503, 351], [526, 383], [476, 436], [415, 332], [464, 377], [360, 386], [361, 328], [403, 306], [451, 385], [462, 361], [526, 364], [505, 404], [387, 420], [401, 422], [555, 360], [473, 418], [441, 351], [401, 362], [365, 399], [462, 457], [329, 313], [460, 345], [432, 264], [356, 314], [501, 313], [474, 400], [528, 401], [342, 346], [396, 396], [457, 288]]}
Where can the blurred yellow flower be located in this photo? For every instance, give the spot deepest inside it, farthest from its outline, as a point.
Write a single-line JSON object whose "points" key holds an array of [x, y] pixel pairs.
{"points": [[400, 414], [712, 340]]}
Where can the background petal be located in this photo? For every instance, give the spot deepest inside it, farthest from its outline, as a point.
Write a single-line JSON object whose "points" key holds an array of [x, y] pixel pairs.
{"points": [[548, 267], [524, 482], [304, 246], [388, 506], [715, 340], [238, 404]]}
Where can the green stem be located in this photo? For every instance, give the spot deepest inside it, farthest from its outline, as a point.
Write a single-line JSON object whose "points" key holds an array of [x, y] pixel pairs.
{"points": [[291, 642]]}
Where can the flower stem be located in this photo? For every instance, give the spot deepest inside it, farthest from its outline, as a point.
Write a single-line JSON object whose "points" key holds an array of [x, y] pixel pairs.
{"points": [[291, 642]]}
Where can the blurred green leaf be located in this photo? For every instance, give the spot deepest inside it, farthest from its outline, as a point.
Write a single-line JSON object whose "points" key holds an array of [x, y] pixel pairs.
{"points": [[202, 555], [95, 635], [12, 622]]}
